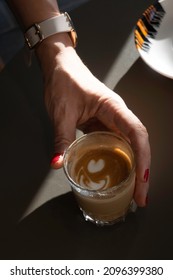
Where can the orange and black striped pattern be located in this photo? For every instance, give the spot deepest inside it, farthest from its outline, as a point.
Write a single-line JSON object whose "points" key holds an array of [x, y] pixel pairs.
{"points": [[148, 25]]}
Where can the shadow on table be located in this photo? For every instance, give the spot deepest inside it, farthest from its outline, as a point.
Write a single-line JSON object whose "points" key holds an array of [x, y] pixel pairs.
{"points": [[57, 230], [26, 142], [150, 96], [103, 28]]}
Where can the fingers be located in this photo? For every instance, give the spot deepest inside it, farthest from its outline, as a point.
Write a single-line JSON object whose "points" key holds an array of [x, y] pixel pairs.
{"points": [[141, 190], [116, 114], [140, 144], [65, 134]]}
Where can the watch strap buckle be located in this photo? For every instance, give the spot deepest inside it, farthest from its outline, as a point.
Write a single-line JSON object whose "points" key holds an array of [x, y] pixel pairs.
{"points": [[38, 33]]}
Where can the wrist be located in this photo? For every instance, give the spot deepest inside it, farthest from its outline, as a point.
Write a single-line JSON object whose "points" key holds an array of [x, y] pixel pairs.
{"points": [[58, 42], [51, 49]]}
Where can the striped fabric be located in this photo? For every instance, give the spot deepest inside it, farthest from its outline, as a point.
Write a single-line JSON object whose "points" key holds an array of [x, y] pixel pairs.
{"points": [[147, 26]]}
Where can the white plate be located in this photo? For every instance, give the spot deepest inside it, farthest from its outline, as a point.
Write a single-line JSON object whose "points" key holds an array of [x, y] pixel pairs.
{"points": [[157, 52]]}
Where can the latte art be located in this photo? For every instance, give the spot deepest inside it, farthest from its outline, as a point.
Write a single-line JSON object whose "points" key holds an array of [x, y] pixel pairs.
{"points": [[101, 169], [95, 166], [86, 181]]}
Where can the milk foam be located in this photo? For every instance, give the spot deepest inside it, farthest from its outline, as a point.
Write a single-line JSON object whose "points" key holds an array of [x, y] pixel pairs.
{"points": [[93, 167], [102, 184]]}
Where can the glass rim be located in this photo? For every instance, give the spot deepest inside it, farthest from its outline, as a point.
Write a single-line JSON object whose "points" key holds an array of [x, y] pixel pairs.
{"points": [[100, 192]]}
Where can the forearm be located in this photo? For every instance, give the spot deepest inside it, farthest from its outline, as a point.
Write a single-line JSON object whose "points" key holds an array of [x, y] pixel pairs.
{"points": [[29, 12], [35, 11]]}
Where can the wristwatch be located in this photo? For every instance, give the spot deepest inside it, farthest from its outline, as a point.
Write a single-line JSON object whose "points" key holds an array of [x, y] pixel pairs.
{"points": [[58, 24]]}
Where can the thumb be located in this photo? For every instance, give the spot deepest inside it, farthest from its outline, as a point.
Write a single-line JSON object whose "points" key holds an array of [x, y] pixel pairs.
{"points": [[64, 135]]}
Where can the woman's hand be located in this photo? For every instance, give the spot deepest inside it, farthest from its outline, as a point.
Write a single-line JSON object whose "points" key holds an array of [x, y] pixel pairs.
{"points": [[74, 98]]}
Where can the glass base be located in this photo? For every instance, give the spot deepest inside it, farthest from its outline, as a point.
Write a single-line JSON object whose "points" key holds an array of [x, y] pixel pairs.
{"points": [[103, 223], [121, 219]]}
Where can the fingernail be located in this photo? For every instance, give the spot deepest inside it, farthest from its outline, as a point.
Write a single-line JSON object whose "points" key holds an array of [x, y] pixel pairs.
{"points": [[146, 175], [56, 158]]}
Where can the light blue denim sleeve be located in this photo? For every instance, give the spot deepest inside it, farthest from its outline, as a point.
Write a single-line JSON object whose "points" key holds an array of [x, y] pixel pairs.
{"points": [[11, 37]]}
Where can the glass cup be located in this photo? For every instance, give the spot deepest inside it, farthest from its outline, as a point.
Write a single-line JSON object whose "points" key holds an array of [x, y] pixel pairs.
{"points": [[100, 168]]}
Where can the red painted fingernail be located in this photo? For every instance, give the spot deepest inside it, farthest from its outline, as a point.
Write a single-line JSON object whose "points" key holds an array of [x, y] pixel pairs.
{"points": [[146, 175], [55, 158]]}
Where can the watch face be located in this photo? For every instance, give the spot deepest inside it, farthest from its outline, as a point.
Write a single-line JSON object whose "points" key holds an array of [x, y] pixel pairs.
{"points": [[154, 37]]}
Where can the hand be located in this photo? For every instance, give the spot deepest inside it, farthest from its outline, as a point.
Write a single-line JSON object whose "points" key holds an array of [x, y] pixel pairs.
{"points": [[76, 99]]}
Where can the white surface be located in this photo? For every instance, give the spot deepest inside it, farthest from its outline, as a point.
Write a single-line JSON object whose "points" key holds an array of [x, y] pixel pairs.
{"points": [[160, 55]]}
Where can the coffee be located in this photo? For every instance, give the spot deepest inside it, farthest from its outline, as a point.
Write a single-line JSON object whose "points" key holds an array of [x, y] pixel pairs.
{"points": [[101, 168]]}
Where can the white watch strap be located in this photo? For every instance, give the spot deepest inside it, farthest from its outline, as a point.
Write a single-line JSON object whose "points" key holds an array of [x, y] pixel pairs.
{"points": [[40, 31]]}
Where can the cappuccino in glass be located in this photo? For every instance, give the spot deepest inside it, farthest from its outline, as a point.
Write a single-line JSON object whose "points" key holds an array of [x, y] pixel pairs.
{"points": [[100, 167]]}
